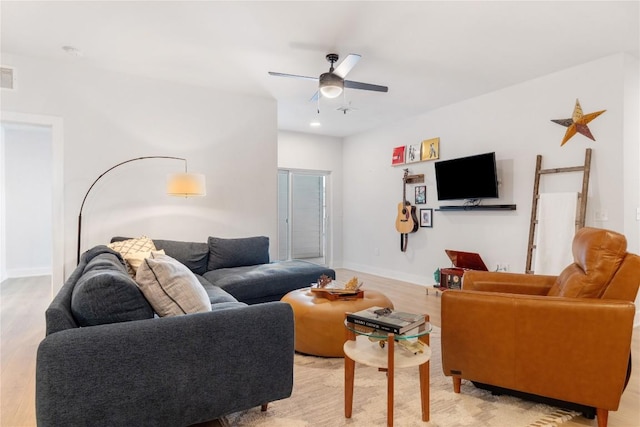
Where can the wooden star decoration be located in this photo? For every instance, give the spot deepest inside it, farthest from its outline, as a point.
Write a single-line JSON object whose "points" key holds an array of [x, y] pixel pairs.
{"points": [[577, 123]]}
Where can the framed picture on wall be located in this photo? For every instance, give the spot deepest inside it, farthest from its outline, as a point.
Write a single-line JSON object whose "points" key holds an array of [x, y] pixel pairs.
{"points": [[426, 217], [430, 149], [398, 156], [421, 195], [413, 153]]}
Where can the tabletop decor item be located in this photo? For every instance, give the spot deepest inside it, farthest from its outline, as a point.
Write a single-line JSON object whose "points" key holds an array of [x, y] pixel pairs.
{"points": [[332, 289]]}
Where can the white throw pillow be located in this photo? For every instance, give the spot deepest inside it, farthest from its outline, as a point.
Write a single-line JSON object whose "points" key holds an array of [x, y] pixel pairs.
{"points": [[134, 260], [170, 287]]}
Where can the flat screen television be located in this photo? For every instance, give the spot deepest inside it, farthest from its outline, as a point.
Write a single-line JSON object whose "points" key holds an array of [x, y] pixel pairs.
{"points": [[472, 177]]}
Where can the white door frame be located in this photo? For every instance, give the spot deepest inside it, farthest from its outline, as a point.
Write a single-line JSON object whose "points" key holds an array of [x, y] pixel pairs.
{"points": [[328, 254], [57, 208]]}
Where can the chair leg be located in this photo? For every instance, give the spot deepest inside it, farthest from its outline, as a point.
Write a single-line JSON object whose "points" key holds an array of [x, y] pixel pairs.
{"points": [[264, 407], [603, 417], [456, 384]]}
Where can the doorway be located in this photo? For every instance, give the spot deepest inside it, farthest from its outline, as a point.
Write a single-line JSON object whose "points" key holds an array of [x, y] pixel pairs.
{"points": [[26, 214], [55, 240], [302, 215]]}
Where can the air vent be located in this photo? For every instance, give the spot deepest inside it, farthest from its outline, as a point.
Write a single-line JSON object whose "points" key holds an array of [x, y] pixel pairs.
{"points": [[6, 78]]}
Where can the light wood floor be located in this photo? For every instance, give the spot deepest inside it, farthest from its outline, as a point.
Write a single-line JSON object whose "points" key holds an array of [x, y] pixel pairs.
{"points": [[22, 327], [23, 302]]}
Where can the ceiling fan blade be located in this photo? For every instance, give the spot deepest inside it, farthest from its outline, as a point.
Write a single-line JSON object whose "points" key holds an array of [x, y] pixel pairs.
{"points": [[315, 96], [295, 76], [365, 86], [346, 65]]}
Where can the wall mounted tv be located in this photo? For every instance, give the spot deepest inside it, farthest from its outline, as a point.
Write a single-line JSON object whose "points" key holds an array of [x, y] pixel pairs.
{"points": [[472, 177]]}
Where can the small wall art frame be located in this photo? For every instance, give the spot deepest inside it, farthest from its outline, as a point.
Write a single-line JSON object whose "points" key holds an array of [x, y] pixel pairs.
{"points": [[398, 156], [421, 195], [430, 149], [413, 154], [426, 218]]}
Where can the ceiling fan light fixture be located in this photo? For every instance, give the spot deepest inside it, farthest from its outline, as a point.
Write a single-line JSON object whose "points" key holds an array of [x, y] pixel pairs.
{"points": [[331, 86]]}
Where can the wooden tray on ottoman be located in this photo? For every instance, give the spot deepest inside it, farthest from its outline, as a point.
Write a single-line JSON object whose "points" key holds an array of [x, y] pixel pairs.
{"points": [[335, 294]]}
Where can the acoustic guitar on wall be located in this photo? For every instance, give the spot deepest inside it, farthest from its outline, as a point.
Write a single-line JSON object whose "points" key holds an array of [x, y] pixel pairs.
{"points": [[407, 220]]}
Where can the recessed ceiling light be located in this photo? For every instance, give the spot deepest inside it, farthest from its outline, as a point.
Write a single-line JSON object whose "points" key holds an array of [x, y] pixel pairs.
{"points": [[72, 50], [315, 124]]}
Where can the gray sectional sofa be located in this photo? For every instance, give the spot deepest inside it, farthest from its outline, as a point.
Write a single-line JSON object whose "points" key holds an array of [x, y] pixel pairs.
{"points": [[107, 359]]}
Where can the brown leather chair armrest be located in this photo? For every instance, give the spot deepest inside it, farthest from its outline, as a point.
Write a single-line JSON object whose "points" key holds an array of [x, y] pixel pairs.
{"points": [[514, 283], [581, 346]]}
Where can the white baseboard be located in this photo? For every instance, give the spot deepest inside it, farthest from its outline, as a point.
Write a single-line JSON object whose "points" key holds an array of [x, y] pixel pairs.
{"points": [[28, 272], [422, 280]]}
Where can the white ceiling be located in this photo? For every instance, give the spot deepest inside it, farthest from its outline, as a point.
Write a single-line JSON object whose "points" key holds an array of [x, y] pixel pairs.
{"points": [[429, 53]]}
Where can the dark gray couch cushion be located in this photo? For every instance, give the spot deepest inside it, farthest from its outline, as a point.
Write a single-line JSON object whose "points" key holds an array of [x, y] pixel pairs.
{"points": [[215, 293], [58, 315], [228, 253], [227, 305], [267, 282], [192, 254], [106, 260], [106, 294]]}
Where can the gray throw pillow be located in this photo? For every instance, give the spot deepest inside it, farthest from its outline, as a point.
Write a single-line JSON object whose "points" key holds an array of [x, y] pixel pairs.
{"points": [[107, 296], [170, 287], [227, 253]]}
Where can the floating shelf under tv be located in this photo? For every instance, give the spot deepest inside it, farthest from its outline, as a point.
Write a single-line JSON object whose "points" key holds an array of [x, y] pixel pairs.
{"points": [[477, 208]]}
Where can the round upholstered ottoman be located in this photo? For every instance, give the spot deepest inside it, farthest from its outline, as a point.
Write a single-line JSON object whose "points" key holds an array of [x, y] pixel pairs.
{"points": [[319, 322]]}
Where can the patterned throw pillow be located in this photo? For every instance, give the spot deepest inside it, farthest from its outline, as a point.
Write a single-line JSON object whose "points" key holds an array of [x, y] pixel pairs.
{"points": [[131, 246]]}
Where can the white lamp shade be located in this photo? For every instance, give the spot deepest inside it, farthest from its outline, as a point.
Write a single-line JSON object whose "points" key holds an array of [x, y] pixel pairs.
{"points": [[186, 184]]}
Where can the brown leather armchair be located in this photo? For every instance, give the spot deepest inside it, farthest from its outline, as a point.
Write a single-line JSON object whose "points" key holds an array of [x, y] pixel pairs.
{"points": [[565, 337]]}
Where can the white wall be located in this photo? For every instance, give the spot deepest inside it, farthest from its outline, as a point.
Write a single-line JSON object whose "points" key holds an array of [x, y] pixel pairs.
{"points": [[632, 153], [111, 117], [28, 174], [513, 122], [3, 240], [320, 153]]}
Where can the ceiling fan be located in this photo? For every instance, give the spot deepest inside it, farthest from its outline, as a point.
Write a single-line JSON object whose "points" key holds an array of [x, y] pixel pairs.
{"points": [[332, 83]]}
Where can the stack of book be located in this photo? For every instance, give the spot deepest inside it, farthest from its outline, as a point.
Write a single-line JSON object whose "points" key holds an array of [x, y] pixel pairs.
{"points": [[386, 319]]}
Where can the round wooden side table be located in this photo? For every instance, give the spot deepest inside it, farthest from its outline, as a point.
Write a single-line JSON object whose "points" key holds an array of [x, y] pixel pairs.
{"points": [[377, 348]]}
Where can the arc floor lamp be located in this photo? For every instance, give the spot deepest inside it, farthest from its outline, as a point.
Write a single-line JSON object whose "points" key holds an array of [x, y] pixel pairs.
{"points": [[178, 184]]}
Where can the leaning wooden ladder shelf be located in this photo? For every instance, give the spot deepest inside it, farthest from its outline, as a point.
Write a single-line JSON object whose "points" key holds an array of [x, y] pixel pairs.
{"points": [[582, 199]]}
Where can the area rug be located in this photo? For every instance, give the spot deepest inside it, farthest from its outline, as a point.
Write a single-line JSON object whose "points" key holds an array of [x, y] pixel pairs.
{"points": [[318, 400]]}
